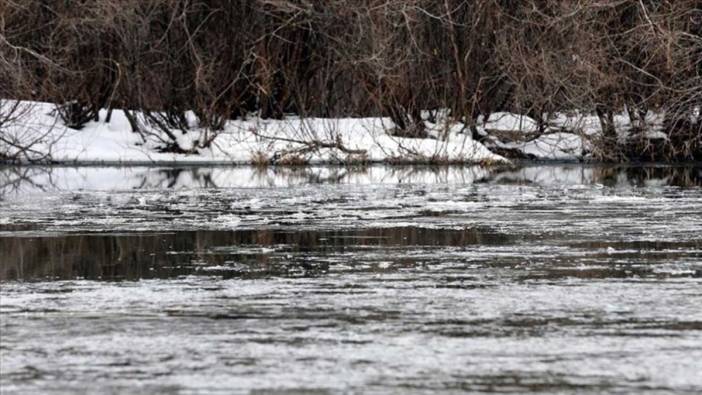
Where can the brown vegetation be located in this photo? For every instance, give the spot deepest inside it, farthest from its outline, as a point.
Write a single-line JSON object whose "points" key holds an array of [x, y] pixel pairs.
{"points": [[225, 59]]}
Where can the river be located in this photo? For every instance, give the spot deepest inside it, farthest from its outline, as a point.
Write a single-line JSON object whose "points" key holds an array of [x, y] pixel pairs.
{"points": [[540, 279]]}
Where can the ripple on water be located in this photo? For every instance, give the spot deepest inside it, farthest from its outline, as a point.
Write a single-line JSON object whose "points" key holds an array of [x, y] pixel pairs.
{"points": [[550, 279]]}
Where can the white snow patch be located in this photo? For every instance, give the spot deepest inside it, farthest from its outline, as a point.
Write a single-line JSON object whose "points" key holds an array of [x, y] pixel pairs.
{"points": [[508, 122], [244, 141]]}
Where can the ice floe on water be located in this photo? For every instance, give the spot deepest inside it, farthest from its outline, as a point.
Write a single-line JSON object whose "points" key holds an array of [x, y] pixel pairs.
{"points": [[544, 279]]}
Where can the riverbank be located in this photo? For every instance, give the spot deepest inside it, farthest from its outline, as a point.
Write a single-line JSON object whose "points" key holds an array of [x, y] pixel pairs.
{"points": [[37, 134]]}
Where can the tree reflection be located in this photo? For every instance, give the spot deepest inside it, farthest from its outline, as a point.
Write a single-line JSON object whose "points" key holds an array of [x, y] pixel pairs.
{"points": [[245, 253]]}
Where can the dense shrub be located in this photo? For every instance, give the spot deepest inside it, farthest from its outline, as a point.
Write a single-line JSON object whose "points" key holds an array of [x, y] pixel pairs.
{"points": [[225, 59]]}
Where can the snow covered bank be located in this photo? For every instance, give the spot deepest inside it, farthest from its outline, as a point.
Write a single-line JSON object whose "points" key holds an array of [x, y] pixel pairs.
{"points": [[574, 136], [37, 134], [290, 141]]}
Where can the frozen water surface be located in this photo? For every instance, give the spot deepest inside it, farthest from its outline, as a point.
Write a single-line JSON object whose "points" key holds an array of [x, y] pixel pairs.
{"points": [[542, 279]]}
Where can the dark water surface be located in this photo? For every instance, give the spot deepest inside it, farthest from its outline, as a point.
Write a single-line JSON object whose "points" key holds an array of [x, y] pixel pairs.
{"points": [[542, 279]]}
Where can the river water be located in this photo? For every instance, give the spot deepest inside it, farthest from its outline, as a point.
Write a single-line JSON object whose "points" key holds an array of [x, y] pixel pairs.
{"points": [[539, 279]]}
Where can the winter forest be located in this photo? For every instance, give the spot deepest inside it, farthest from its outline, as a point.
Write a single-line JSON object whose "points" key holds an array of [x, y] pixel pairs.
{"points": [[350, 197], [613, 80]]}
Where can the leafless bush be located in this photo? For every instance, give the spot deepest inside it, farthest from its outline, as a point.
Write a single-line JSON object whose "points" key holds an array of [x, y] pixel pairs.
{"points": [[19, 138], [222, 59]]}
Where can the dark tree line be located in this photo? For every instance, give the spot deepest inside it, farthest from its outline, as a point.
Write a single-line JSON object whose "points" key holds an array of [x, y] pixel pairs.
{"points": [[224, 59]]}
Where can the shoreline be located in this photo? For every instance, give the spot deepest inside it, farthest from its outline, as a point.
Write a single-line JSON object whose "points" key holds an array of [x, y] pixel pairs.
{"points": [[336, 164]]}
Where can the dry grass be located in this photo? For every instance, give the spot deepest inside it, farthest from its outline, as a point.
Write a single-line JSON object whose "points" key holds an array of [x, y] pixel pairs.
{"points": [[260, 159]]}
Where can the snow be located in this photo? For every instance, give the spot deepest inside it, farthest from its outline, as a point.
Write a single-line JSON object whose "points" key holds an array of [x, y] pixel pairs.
{"points": [[508, 122], [247, 141], [296, 140], [555, 146]]}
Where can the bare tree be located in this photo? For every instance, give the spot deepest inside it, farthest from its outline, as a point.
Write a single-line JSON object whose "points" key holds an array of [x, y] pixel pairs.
{"points": [[164, 62]]}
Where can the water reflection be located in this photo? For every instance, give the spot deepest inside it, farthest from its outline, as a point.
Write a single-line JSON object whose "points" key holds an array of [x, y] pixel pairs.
{"points": [[650, 176], [264, 253], [606, 175], [244, 253], [16, 181]]}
